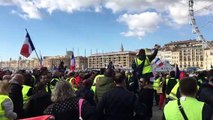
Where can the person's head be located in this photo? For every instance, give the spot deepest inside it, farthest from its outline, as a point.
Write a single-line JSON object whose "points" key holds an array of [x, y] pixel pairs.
{"points": [[4, 87], [172, 74], [18, 78], [141, 52], [7, 77], [102, 70], [56, 73], [39, 87], [210, 76], [144, 82], [119, 78], [44, 79], [71, 74], [63, 91], [87, 83], [188, 87], [109, 73], [28, 80]]}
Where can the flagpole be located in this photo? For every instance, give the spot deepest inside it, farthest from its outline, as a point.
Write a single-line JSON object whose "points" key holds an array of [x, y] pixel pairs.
{"points": [[35, 50]]}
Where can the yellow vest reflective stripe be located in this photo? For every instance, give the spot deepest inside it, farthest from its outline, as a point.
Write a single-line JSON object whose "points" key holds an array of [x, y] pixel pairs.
{"points": [[156, 84], [52, 86], [173, 93], [93, 88], [168, 95], [25, 90], [147, 66], [192, 107], [70, 79], [200, 81], [2, 112]]}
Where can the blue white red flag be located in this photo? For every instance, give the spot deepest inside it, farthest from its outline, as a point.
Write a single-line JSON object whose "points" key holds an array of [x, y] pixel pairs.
{"points": [[27, 47], [72, 62], [158, 62]]}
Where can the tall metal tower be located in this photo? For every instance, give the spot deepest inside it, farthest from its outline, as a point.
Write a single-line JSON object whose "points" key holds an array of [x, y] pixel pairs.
{"points": [[195, 29]]}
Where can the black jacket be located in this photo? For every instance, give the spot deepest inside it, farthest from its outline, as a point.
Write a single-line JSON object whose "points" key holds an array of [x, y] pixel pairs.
{"points": [[146, 98], [37, 104], [16, 96], [117, 104], [86, 94], [68, 110], [206, 94]]}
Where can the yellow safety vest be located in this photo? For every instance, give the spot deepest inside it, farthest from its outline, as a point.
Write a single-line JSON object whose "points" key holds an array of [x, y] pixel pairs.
{"points": [[25, 90], [192, 107], [147, 66], [93, 88], [2, 111], [52, 87], [167, 80], [173, 93], [34, 79], [156, 84]]}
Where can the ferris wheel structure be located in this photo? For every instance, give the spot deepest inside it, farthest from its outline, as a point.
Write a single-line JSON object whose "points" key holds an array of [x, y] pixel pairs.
{"points": [[195, 28]]}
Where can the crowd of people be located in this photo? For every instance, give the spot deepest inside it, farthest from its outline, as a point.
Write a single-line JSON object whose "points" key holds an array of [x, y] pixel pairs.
{"points": [[107, 94]]}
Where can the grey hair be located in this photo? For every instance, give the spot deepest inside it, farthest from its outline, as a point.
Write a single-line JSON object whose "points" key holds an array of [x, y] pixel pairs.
{"points": [[63, 91]]}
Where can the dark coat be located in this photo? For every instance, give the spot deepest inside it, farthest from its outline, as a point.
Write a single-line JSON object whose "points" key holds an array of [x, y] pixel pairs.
{"points": [[37, 104], [117, 104], [86, 94], [68, 110], [206, 94], [103, 85], [146, 98], [16, 96]]}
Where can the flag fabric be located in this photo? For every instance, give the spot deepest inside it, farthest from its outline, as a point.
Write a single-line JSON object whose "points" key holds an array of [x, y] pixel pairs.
{"points": [[27, 47], [72, 62], [158, 62], [42, 61], [177, 71]]}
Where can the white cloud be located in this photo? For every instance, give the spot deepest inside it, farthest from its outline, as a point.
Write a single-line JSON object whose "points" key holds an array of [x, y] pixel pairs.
{"points": [[174, 12], [28, 9], [140, 24]]}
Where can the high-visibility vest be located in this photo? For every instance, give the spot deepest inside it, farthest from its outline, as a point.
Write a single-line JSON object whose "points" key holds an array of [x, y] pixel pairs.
{"points": [[173, 93], [167, 82], [34, 79], [192, 108], [200, 81], [93, 88], [2, 111], [147, 68], [25, 90], [52, 87], [70, 80], [156, 84]]}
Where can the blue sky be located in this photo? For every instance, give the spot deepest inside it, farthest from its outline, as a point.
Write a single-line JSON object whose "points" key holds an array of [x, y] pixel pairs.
{"points": [[103, 30]]}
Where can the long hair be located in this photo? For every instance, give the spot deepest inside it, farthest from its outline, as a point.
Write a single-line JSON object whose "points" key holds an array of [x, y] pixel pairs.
{"points": [[4, 87], [63, 91]]}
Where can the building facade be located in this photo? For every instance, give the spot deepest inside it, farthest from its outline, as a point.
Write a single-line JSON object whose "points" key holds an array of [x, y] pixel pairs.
{"points": [[121, 59], [186, 54]]}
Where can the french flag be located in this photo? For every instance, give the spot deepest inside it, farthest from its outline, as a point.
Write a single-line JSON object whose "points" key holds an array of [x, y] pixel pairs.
{"points": [[27, 47], [158, 62], [72, 62]]}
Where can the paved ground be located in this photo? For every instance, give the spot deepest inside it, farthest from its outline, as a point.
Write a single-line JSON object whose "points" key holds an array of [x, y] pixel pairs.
{"points": [[157, 114]]}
